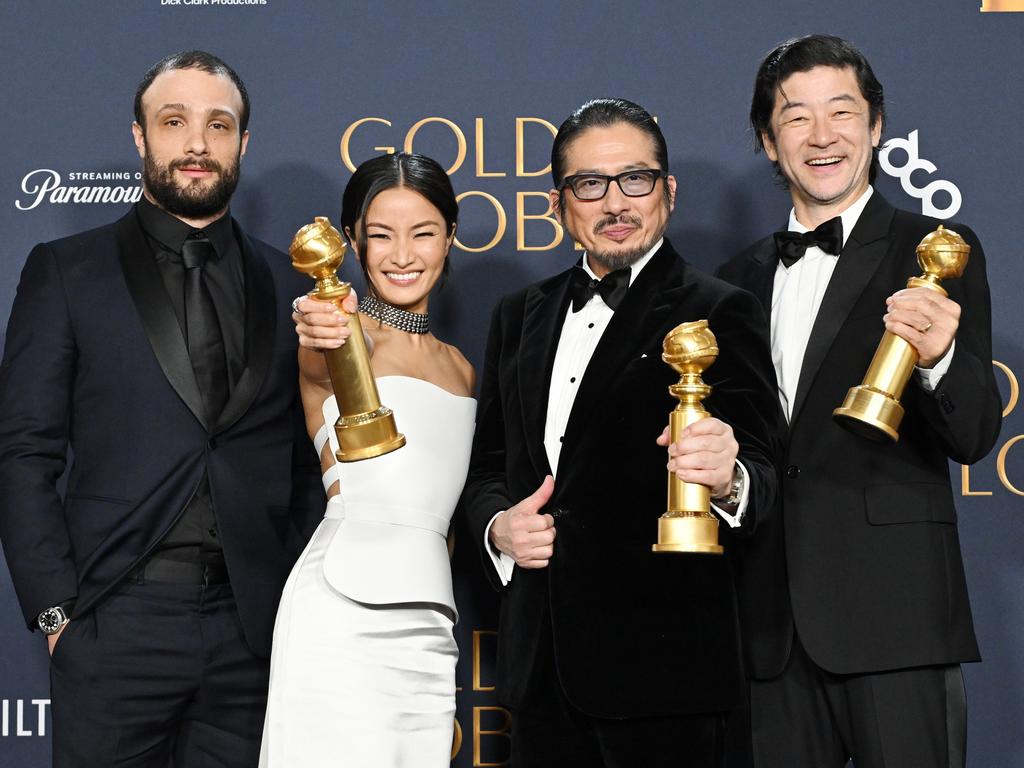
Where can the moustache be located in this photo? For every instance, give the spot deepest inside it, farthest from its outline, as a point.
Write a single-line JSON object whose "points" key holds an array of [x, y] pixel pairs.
{"points": [[612, 220], [204, 163]]}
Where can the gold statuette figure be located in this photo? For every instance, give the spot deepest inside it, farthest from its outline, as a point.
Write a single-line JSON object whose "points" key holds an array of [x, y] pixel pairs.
{"points": [[873, 409], [365, 428], [688, 525]]}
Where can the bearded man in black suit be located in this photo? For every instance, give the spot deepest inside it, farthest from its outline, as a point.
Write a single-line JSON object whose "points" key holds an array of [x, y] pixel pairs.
{"points": [[608, 654], [862, 659], [157, 349]]}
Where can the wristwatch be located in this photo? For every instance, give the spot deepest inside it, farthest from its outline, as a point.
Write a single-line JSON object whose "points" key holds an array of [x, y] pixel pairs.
{"points": [[735, 492], [52, 620]]}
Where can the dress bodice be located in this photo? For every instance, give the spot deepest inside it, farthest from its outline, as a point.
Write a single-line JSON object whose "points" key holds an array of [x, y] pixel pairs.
{"points": [[396, 508]]}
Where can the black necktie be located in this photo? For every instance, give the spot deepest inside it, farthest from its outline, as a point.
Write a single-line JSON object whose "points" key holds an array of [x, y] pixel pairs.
{"points": [[791, 246], [205, 341], [612, 288]]}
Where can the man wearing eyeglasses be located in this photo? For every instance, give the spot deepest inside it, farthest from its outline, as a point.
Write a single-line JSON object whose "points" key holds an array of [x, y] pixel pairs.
{"points": [[611, 655]]}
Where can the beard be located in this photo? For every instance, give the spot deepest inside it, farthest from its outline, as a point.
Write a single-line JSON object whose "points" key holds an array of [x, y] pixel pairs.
{"points": [[196, 200], [616, 260]]}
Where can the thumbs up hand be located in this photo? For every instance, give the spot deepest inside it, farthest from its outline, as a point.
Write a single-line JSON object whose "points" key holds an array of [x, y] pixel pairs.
{"points": [[523, 533]]}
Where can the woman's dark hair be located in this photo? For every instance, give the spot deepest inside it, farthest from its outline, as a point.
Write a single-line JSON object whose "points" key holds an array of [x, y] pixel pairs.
{"points": [[802, 54], [401, 169]]}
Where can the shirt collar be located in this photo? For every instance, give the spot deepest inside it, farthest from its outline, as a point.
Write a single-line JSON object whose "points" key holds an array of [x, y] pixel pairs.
{"points": [[171, 232], [849, 216], [634, 268]]}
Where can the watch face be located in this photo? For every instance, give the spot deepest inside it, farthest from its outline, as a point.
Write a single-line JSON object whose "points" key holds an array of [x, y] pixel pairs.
{"points": [[51, 620]]}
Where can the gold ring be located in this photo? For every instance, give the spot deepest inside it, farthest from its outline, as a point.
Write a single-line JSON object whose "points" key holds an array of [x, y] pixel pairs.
{"points": [[926, 328]]}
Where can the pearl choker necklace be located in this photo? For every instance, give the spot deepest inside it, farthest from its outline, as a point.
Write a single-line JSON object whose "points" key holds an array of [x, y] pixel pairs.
{"points": [[402, 319]]}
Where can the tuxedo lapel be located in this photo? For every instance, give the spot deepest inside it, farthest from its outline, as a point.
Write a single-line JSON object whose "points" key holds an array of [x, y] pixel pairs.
{"points": [[544, 309], [862, 255], [156, 312], [760, 280], [648, 302], [260, 331]]}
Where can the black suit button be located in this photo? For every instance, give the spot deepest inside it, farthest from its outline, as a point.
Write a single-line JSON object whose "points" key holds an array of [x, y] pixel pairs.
{"points": [[946, 403], [212, 443], [792, 471], [213, 532]]}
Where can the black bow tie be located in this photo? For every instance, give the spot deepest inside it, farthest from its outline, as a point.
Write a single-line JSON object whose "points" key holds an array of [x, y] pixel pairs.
{"points": [[612, 288], [791, 246]]}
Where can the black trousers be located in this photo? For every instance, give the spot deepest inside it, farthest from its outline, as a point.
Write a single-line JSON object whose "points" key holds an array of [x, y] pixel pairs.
{"points": [[158, 675], [549, 732], [810, 718]]}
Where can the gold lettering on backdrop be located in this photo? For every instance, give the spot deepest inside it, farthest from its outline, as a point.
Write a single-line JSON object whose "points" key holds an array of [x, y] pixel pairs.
{"points": [[346, 140], [456, 739], [521, 145], [1011, 403], [477, 635], [502, 221], [460, 137], [522, 216], [480, 172], [965, 483], [502, 731], [1001, 465]]}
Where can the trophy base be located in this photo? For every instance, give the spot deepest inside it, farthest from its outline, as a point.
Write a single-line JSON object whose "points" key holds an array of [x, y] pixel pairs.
{"points": [[367, 435], [870, 414], [688, 534]]}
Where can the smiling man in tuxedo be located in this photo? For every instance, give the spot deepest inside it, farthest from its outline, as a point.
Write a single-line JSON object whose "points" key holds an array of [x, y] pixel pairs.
{"points": [[157, 349], [862, 658], [608, 654]]}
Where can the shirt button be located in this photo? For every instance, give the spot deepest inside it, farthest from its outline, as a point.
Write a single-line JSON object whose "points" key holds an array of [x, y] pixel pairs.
{"points": [[560, 439], [572, 380], [792, 472], [591, 325], [213, 532]]}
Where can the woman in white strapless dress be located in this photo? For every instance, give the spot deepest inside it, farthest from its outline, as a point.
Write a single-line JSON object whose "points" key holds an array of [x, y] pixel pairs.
{"points": [[363, 663]]}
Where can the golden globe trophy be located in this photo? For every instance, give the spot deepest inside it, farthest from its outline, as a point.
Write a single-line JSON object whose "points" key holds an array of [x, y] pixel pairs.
{"points": [[688, 525], [873, 409], [365, 428]]}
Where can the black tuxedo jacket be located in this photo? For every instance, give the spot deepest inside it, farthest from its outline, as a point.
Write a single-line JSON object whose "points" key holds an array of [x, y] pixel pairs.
{"points": [[872, 554], [95, 360], [633, 633]]}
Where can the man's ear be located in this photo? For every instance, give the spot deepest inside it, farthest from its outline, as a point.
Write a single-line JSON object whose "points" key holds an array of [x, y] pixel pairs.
{"points": [[139, 135], [554, 198], [244, 144], [769, 146], [671, 182]]}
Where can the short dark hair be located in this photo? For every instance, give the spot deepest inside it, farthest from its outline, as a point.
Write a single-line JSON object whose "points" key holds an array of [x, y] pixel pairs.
{"points": [[602, 113], [802, 54], [413, 171], [204, 62]]}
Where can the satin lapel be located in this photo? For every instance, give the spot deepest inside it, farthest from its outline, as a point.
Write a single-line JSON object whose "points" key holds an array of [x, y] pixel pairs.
{"points": [[543, 312], [260, 331], [159, 322], [862, 255], [656, 290]]}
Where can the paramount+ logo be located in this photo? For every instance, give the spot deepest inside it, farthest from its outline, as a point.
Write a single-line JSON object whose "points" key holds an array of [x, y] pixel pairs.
{"points": [[45, 185]]}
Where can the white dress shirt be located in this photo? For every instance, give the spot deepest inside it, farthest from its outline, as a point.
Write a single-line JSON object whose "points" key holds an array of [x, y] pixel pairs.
{"points": [[796, 297], [581, 332]]}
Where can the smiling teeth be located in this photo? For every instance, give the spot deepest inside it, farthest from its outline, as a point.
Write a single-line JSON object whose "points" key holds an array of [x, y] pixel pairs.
{"points": [[824, 161], [402, 277]]}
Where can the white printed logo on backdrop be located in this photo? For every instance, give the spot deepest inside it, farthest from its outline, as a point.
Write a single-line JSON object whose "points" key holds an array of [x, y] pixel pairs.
{"points": [[45, 185], [915, 162]]}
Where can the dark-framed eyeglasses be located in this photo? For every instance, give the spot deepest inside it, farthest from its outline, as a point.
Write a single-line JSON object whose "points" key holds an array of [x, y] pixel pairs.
{"points": [[593, 186]]}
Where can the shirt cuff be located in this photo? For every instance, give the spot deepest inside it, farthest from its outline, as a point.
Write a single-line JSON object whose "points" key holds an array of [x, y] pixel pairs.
{"points": [[734, 519], [929, 378], [503, 564]]}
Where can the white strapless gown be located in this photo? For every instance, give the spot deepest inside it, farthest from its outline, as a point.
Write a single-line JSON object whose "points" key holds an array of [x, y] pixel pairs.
{"points": [[362, 671]]}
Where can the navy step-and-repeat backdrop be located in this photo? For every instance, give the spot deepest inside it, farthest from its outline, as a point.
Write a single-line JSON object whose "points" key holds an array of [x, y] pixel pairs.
{"points": [[481, 86]]}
